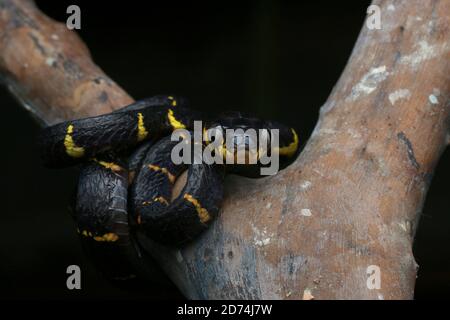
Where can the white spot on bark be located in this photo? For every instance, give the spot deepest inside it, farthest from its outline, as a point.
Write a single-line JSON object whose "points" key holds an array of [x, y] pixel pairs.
{"points": [[262, 242], [305, 185], [399, 94], [353, 133], [306, 212], [49, 61], [269, 205], [261, 238], [423, 53], [368, 82], [380, 296], [433, 99], [391, 7], [403, 227], [55, 37], [307, 294]]}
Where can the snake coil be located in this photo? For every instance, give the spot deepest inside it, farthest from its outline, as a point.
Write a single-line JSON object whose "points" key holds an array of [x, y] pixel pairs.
{"points": [[127, 177]]}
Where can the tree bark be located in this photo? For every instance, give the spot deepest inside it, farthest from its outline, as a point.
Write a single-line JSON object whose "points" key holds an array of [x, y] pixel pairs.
{"points": [[350, 201], [49, 69]]}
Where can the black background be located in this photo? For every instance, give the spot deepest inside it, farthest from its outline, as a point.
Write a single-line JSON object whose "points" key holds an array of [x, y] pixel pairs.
{"points": [[277, 60]]}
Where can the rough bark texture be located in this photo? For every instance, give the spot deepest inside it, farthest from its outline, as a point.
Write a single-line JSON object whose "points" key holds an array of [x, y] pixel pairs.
{"points": [[351, 200], [49, 69]]}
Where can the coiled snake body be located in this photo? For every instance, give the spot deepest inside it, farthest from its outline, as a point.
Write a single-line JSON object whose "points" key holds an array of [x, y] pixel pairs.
{"points": [[127, 177]]}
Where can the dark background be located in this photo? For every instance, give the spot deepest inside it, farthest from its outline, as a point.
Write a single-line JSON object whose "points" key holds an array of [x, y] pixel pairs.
{"points": [[277, 60]]}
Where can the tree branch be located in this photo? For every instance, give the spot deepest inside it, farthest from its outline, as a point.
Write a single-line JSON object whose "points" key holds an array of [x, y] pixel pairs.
{"points": [[49, 69], [350, 201]]}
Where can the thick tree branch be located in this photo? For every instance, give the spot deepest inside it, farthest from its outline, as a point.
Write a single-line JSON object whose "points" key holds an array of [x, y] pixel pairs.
{"points": [[350, 201], [49, 69]]}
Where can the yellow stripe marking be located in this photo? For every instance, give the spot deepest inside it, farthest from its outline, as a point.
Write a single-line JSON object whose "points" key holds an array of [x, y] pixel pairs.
{"points": [[71, 148], [142, 131], [174, 102], [159, 199], [174, 122], [202, 212], [109, 165], [162, 200], [290, 150], [107, 237], [86, 233], [163, 170]]}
